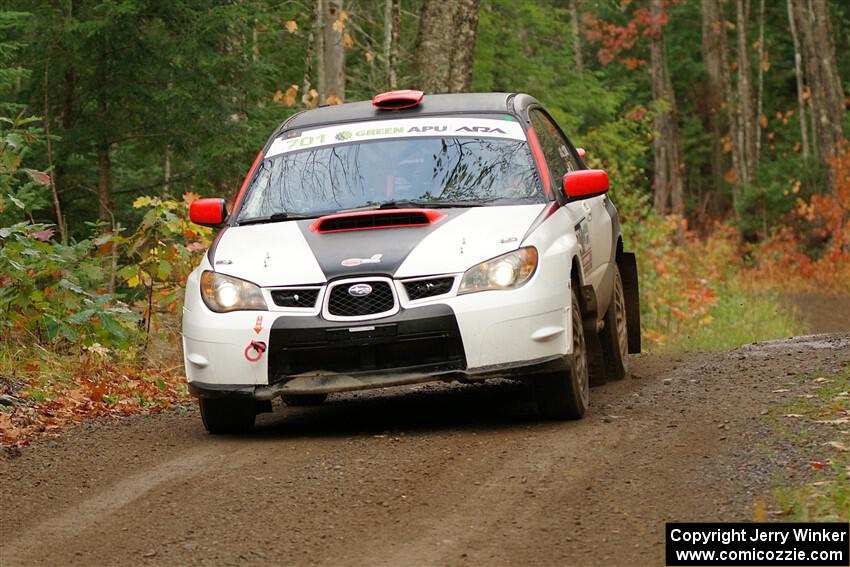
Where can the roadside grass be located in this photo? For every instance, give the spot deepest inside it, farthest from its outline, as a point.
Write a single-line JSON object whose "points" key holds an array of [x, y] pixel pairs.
{"points": [[817, 423], [740, 317]]}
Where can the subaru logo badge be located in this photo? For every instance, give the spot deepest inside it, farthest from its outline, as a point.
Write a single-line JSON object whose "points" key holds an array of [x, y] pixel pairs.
{"points": [[360, 290]]}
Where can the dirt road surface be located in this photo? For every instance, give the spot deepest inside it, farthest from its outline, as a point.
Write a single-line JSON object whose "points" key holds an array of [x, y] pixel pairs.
{"points": [[433, 475]]}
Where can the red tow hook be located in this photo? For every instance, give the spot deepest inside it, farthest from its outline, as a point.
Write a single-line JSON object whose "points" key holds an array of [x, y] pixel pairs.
{"points": [[254, 351]]}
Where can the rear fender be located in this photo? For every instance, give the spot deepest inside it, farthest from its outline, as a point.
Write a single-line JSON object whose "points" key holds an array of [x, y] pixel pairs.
{"points": [[627, 262]]}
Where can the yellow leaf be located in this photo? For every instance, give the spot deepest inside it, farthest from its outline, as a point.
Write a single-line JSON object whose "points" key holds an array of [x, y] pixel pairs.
{"points": [[369, 56], [763, 121], [765, 65], [291, 26], [333, 99], [347, 41], [338, 26], [310, 98], [343, 15], [278, 95], [291, 95], [133, 282], [142, 202]]}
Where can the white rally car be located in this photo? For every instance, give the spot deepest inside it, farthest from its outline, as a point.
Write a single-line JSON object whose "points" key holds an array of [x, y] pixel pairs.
{"points": [[410, 239]]}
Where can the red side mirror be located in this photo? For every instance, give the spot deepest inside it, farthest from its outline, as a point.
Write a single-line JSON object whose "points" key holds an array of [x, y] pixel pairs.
{"points": [[581, 152], [585, 183], [208, 212]]}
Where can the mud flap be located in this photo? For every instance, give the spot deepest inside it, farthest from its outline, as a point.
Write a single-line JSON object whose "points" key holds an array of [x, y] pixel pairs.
{"points": [[595, 357], [627, 262]]}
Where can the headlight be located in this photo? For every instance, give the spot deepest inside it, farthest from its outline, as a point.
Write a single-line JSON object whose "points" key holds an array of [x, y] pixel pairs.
{"points": [[509, 271], [225, 293]]}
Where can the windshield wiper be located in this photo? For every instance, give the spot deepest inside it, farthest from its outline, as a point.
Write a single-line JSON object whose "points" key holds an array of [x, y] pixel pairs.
{"points": [[275, 217], [414, 204]]}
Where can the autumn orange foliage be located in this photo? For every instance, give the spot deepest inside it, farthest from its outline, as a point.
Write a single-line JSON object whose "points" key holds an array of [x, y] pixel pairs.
{"points": [[96, 388], [784, 259]]}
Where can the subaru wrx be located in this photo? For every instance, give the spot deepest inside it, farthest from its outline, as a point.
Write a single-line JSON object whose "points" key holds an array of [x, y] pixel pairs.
{"points": [[407, 239]]}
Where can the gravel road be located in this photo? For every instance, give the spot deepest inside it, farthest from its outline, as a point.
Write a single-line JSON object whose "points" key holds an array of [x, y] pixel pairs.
{"points": [[432, 475]]}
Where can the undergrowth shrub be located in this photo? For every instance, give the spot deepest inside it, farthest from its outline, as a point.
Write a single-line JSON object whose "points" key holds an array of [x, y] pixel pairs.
{"points": [[811, 250], [54, 295]]}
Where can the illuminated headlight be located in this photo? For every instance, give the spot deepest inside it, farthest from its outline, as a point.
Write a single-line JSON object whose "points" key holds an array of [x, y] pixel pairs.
{"points": [[509, 271], [225, 293]]}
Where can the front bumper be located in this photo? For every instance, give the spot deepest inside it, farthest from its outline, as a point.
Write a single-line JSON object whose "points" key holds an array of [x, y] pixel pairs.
{"points": [[335, 383], [467, 337]]}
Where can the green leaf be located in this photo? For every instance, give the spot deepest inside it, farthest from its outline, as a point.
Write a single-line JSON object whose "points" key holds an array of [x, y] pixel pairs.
{"points": [[18, 202]]}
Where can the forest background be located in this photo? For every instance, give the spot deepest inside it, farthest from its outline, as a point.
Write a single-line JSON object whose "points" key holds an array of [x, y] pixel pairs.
{"points": [[722, 123]]}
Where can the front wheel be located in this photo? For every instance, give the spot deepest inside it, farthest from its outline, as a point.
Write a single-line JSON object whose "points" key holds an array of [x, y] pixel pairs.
{"points": [[227, 416], [566, 394]]}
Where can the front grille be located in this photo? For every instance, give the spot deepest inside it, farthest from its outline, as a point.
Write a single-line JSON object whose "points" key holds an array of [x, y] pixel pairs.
{"points": [[300, 297], [420, 289], [426, 338], [341, 303]]}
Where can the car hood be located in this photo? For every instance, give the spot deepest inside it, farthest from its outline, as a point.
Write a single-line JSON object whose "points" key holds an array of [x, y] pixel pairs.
{"points": [[291, 253]]}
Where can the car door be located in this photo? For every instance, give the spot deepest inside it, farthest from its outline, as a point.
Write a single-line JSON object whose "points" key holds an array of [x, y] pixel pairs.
{"points": [[593, 228]]}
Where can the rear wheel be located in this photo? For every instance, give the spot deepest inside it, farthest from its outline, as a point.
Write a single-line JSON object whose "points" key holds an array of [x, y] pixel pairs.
{"points": [[305, 399], [223, 416], [565, 394], [615, 334]]}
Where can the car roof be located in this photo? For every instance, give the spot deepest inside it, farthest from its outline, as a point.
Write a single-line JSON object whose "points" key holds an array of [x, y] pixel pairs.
{"points": [[460, 103]]}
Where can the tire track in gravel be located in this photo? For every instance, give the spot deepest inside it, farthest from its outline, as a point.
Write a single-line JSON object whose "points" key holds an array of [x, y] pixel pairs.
{"points": [[430, 475]]}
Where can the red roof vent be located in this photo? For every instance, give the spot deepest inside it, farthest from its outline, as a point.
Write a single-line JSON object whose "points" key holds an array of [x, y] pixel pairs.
{"points": [[397, 100], [370, 220]]}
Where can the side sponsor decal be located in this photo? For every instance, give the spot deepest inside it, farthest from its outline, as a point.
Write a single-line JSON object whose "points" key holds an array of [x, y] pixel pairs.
{"points": [[583, 235], [405, 128]]}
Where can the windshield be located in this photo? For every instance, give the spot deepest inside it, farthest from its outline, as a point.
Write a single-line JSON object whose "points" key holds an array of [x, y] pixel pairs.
{"points": [[404, 171]]}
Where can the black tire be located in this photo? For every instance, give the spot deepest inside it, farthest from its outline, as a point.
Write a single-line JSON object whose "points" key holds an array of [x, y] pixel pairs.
{"points": [[305, 399], [565, 394], [228, 416], [615, 334]]}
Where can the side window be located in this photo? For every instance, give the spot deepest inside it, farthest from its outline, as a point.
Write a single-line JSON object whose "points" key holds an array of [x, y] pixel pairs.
{"points": [[555, 148]]}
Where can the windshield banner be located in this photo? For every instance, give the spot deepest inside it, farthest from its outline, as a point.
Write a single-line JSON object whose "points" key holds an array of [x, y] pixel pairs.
{"points": [[433, 126]]}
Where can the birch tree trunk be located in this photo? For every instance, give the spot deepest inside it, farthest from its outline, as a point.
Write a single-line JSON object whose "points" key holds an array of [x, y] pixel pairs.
{"points": [[433, 60], [712, 56], [463, 54], [334, 54], [392, 22], [668, 178], [798, 73], [762, 63], [579, 61], [821, 69], [445, 69], [745, 95], [715, 24], [320, 49], [310, 52]]}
